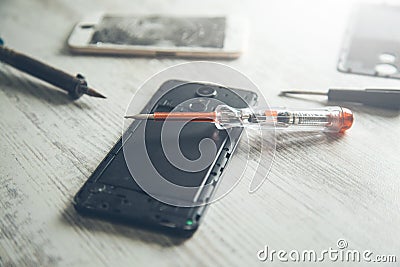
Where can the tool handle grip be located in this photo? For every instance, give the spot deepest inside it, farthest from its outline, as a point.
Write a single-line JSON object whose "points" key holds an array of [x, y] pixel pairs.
{"points": [[384, 98], [39, 70]]}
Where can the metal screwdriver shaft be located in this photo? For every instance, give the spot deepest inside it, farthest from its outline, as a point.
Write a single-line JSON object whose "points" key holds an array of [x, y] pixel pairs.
{"points": [[75, 86]]}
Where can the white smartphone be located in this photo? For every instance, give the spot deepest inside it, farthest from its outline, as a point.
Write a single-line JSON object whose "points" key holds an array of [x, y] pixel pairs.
{"points": [[155, 35]]}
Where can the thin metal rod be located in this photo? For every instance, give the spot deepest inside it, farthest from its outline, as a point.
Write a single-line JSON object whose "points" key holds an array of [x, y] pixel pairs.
{"points": [[303, 93], [140, 117], [94, 93]]}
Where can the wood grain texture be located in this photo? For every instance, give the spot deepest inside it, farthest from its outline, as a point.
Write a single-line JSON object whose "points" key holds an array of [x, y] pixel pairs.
{"points": [[320, 188]]}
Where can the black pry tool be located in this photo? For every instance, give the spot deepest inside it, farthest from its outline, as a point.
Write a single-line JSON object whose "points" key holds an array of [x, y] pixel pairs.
{"points": [[383, 98]]}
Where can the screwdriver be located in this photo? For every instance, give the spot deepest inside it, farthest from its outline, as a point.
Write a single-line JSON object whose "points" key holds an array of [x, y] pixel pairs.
{"points": [[383, 98], [75, 86], [332, 119]]}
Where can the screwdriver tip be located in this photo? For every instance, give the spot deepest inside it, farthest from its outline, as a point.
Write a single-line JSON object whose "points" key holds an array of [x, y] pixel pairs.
{"points": [[283, 93], [140, 116], [94, 93]]}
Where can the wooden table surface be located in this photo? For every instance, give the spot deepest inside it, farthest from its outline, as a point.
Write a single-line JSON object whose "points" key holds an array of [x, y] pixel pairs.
{"points": [[317, 192]]}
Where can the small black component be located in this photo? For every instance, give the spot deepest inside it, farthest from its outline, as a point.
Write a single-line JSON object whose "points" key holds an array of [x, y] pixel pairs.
{"points": [[197, 106], [283, 117]]}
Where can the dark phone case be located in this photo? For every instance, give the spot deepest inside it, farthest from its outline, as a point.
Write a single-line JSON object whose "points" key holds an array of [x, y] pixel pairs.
{"points": [[119, 198]]}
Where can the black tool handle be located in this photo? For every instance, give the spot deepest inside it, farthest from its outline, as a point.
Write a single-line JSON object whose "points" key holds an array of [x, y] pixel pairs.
{"points": [[43, 71], [384, 98]]}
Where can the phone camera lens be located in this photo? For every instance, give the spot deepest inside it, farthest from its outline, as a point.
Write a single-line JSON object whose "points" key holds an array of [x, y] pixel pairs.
{"points": [[206, 91], [197, 106]]}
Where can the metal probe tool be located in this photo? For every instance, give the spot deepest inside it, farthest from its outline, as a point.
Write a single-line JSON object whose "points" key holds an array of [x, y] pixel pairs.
{"points": [[75, 86], [383, 98], [332, 119]]}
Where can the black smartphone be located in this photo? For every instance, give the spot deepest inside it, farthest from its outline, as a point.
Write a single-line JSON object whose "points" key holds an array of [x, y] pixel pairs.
{"points": [[111, 192]]}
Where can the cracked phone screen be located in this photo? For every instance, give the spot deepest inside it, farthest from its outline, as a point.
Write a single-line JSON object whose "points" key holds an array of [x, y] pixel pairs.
{"points": [[161, 31]]}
